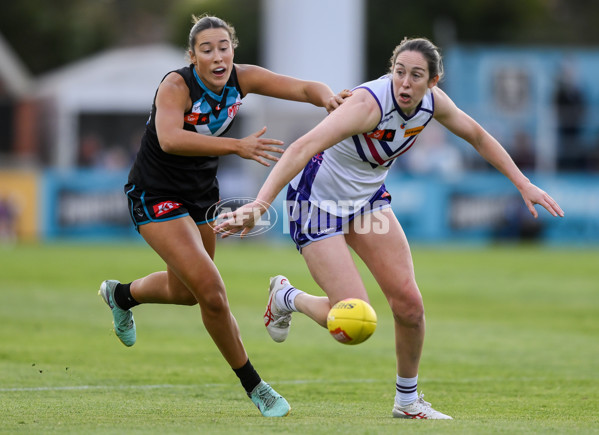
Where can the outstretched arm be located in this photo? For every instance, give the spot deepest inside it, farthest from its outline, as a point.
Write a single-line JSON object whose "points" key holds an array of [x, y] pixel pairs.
{"points": [[360, 113], [172, 101], [257, 80], [462, 125]]}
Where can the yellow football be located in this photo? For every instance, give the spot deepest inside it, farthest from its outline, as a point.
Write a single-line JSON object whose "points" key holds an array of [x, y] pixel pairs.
{"points": [[351, 321]]}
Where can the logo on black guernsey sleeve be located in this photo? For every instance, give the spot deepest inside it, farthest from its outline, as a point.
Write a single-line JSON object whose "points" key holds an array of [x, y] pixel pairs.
{"points": [[197, 118]]}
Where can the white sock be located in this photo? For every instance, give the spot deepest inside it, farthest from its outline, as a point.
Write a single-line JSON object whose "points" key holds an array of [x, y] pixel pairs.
{"points": [[285, 299], [406, 390]]}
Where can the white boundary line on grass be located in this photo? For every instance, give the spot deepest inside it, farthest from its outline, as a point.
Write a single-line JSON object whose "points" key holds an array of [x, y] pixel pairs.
{"points": [[166, 386]]}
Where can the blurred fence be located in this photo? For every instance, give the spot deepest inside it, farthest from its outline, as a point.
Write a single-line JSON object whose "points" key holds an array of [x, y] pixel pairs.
{"points": [[479, 207]]}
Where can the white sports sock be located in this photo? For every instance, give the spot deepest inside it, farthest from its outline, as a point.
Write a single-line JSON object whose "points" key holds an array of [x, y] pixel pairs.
{"points": [[406, 390], [285, 299]]}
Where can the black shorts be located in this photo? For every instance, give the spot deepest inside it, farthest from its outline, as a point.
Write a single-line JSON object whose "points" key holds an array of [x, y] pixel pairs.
{"points": [[146, 207]]}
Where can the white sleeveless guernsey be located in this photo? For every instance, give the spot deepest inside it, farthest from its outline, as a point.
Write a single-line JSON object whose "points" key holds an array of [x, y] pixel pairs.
{"points": [[351, 172]]}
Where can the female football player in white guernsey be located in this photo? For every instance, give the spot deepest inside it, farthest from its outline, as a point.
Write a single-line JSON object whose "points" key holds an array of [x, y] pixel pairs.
{"points": [[172, 187], [337, 198]]}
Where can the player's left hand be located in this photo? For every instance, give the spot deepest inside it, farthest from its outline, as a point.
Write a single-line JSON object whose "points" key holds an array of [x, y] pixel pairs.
{"points": [[337, 100], [533, 195], [243, 219]]}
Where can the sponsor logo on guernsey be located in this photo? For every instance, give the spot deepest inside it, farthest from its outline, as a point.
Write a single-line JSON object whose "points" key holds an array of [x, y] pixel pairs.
{"points": [[232, 111], [386, 135], [197, 118], [413, 131], [192, 118], [165, 207]]}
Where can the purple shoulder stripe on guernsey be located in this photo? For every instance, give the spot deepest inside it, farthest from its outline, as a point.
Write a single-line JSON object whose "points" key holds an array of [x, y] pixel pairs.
{"points": [[375, 98]]}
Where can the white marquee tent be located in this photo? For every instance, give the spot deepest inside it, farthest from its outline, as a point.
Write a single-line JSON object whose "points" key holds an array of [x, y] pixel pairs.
{"points": [[121, 80]]}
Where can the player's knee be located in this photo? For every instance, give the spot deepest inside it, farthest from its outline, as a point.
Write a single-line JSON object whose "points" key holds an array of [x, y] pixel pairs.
{"points": [[408, 308], [215, 305], [213, 299], [410, 316]]}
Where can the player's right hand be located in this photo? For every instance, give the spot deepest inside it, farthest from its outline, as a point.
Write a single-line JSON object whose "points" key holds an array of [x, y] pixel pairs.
{"points": [[254, 147]]}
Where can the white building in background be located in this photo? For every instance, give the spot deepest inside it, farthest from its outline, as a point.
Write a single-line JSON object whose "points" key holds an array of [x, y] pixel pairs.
{"points": [[118, 81], [322, 40], [319, 40]]}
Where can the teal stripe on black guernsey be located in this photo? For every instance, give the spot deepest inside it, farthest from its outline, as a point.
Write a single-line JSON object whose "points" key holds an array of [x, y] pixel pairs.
{"points": [[217, 105], [212, 115]]}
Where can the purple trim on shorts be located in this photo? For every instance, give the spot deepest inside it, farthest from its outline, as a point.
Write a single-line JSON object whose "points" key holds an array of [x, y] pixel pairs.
{"points": [[304, 224]]}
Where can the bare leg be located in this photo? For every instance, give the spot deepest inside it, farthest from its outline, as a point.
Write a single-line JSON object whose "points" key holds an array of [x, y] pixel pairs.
{"points": [[336, 274], [190, 266], [164, 287], [387, 255]]}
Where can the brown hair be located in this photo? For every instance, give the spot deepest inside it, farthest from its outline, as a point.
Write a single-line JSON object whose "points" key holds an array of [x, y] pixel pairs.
{"points": [[206, 21], [430, 51]]}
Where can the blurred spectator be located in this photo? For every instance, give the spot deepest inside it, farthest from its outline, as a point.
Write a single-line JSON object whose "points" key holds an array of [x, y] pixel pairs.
{"points": [[95, 154], [8, 220], [90, 151], [517, 223], [134, 144], [570, 109], [522, 151], [115, 158]]}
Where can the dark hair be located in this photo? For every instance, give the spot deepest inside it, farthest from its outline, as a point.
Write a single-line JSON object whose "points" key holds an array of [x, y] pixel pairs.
{"points": [[206, 21], [430, 51]]}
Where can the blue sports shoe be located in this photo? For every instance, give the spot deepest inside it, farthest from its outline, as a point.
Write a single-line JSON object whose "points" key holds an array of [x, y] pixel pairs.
{"points": [[124, 325], [268, 401]]}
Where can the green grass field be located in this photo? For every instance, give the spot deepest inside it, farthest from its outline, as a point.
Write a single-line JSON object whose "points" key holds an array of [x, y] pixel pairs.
{"points": [[512, 347]]}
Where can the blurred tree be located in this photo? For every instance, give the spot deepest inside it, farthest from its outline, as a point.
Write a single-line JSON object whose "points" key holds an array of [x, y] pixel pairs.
{"points": [[518, 22], [48, 34], [244, 16]]}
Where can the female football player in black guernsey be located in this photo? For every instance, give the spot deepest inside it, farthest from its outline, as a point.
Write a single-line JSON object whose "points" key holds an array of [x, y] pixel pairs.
{"points": [[172, 184]]}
